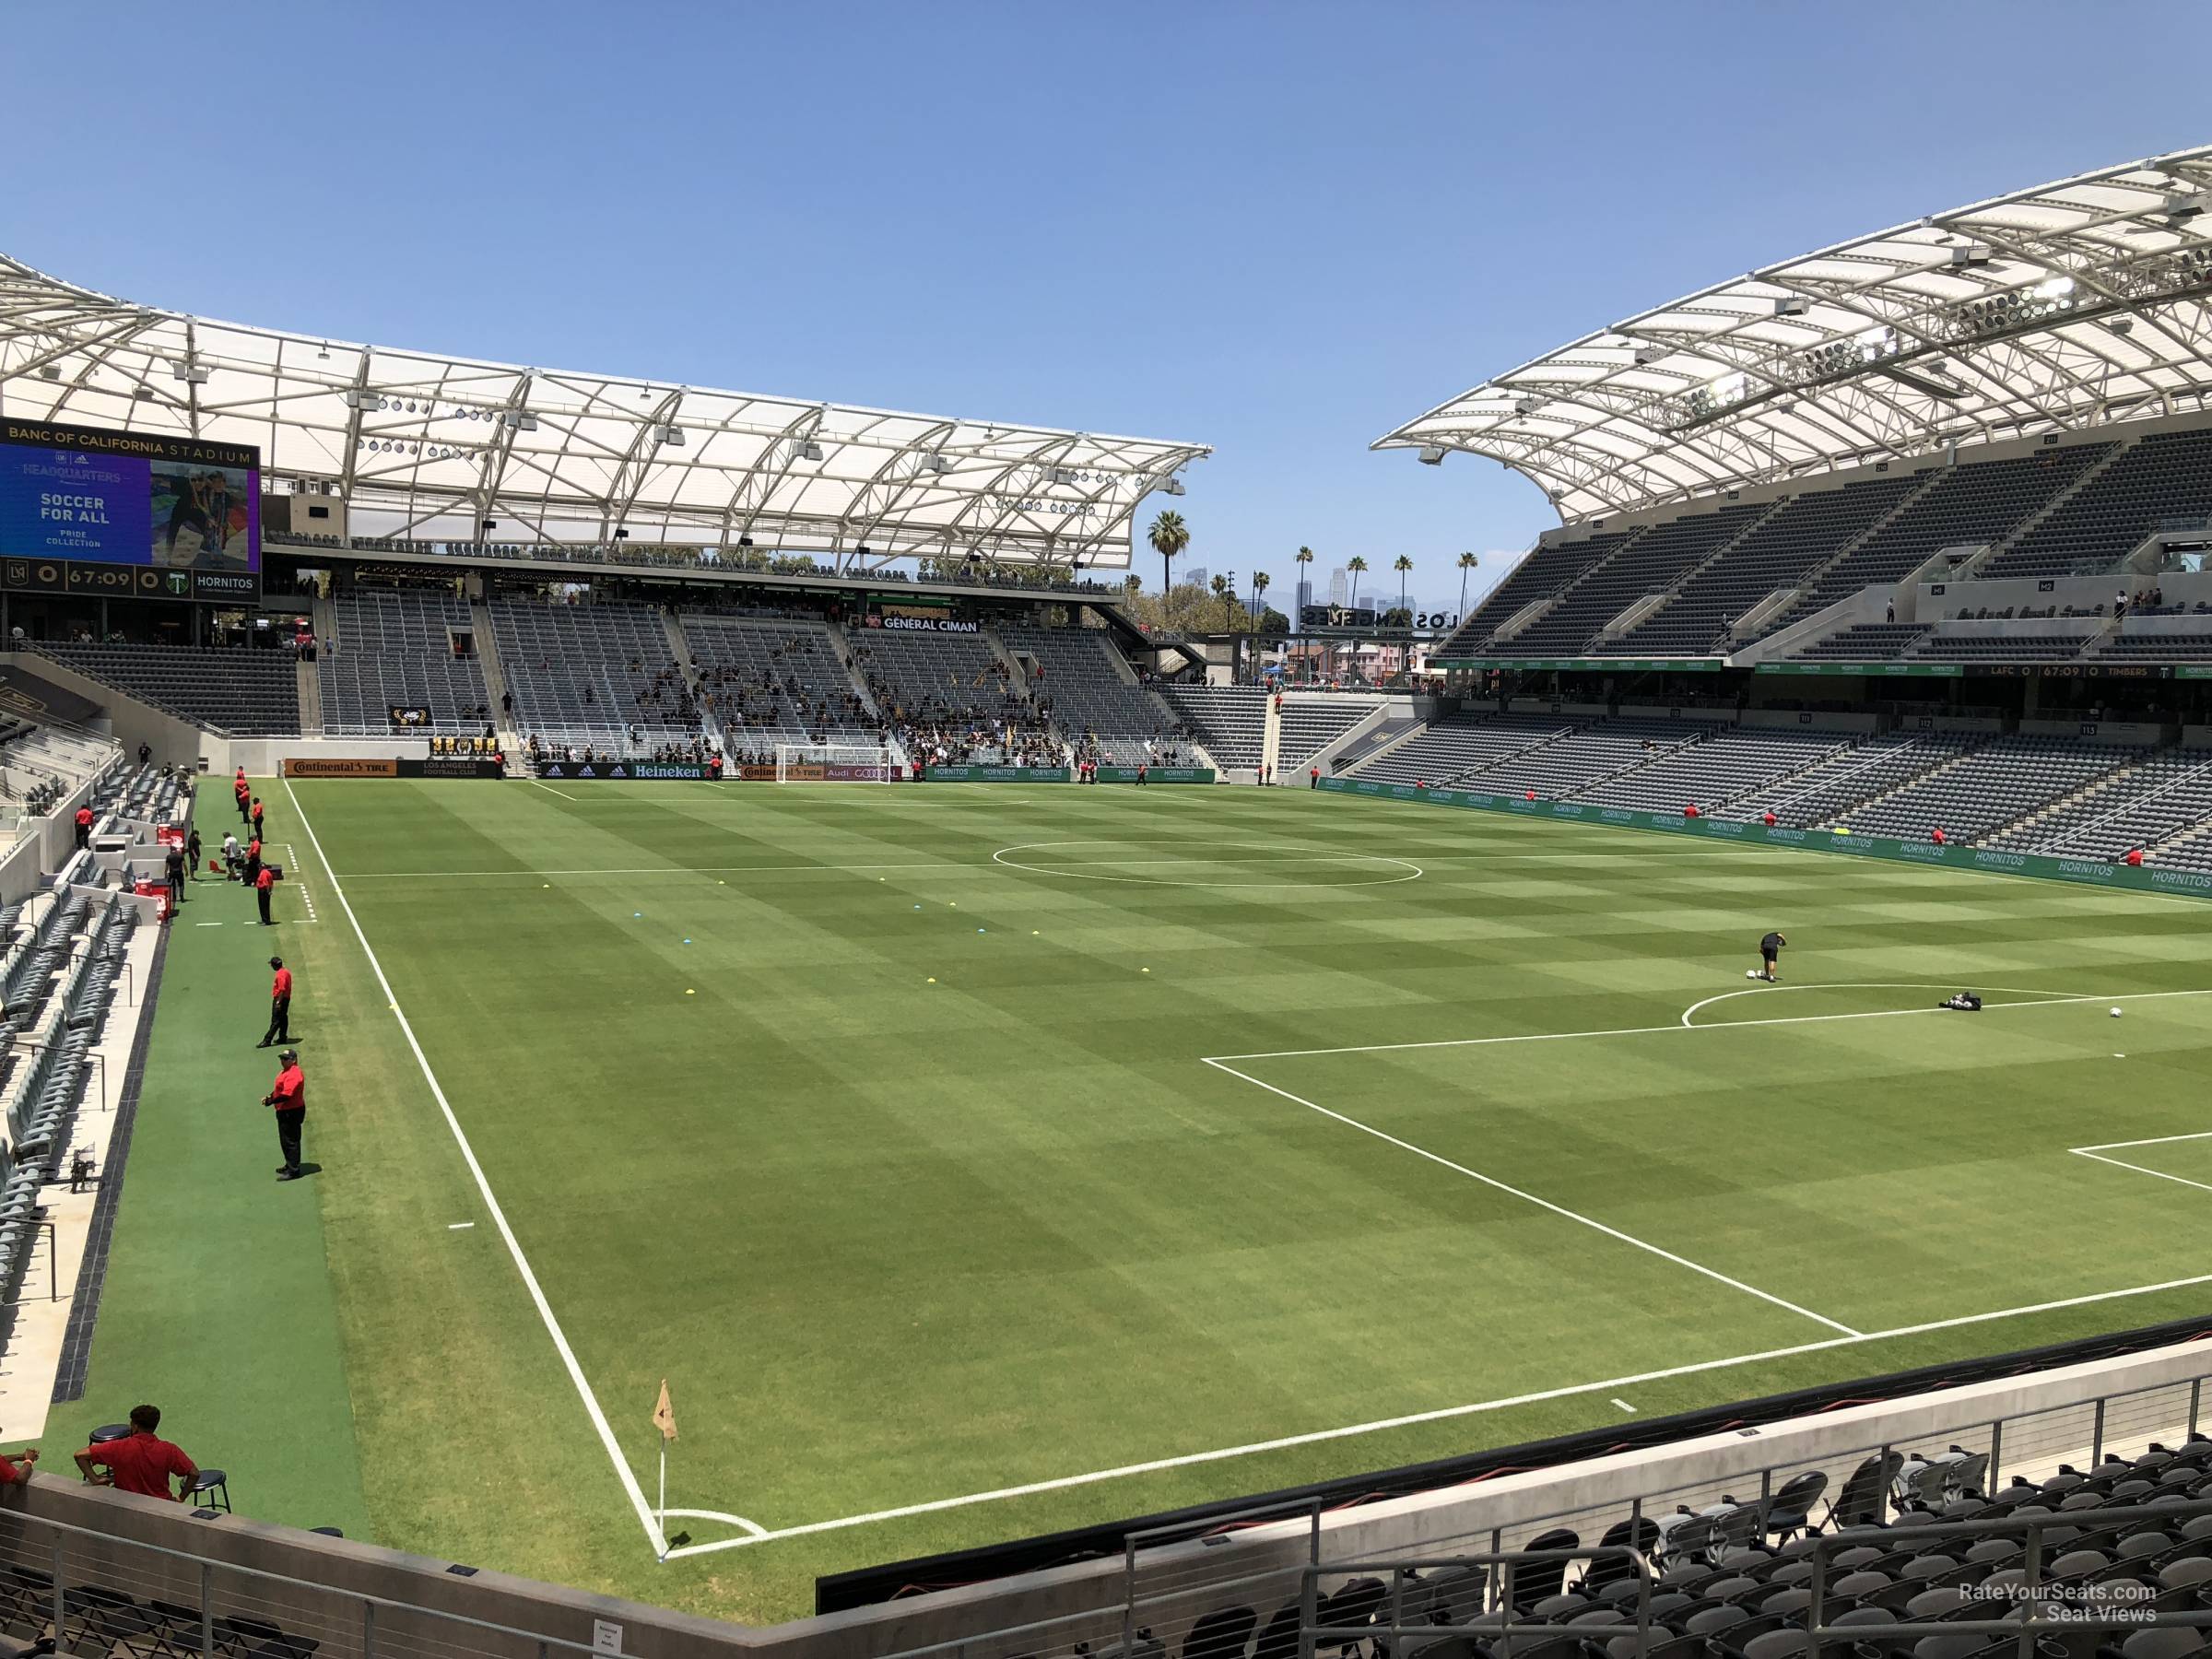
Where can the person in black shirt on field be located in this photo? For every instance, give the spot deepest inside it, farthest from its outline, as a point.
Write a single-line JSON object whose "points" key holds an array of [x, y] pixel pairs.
{"points": [[174, 865], [1770, 949]]}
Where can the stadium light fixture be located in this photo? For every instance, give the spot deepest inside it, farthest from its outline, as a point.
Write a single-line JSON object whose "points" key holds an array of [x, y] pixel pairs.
{"points": [[1172, 486], [2186, 205], [518, 421], [1649, 354], [1792, 305], [50, 372], [671, 436], [809, 450], [1967, 254], [935, 463], [1527, 406], [188, 371], [358, 397], [1431, 454]]}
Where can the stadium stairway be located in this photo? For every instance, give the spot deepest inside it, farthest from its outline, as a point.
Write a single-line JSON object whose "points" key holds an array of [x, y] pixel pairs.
{"points": [[495, 675], [1950, 762], [311, 695]]}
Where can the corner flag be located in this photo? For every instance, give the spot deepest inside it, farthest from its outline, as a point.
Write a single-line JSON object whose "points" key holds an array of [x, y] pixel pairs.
{"points": [[663, 1413]]}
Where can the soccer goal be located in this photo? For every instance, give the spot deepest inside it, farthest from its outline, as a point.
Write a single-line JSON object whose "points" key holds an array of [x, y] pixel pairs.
{"points": [[832, 763]]}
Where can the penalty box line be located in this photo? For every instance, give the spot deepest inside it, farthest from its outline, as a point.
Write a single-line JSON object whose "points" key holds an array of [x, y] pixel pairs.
{"points": [[1443, 1414], [1557, 1209], [491, 1205]]}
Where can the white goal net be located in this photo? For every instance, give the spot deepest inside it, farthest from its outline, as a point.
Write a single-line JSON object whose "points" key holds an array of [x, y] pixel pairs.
{"points": [[832, 763]]}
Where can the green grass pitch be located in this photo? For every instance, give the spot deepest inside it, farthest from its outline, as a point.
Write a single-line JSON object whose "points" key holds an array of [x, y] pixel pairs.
{"points": [[978, 1160]]}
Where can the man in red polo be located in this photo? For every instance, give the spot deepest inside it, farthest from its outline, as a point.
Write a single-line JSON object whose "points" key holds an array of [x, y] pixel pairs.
{"points": [[141, 1462], [83, 826], [264, 883], [18, 1471], [287, 1096], [244, 792]]}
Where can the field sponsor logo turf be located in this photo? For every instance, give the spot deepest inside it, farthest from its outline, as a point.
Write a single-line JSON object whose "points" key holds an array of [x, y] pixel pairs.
{"points": [[359, 766]]}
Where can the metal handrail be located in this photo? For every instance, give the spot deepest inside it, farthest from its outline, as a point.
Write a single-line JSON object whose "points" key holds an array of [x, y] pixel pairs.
{"points": [[2029, 1595], [1310, 1631]]}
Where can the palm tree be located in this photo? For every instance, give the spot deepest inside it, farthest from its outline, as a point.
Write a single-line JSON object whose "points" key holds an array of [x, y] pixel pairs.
{"points": [[1305, 556], [1169, 536], [1468, 561], [1261, 582], [1220, 586], [1400, 565], [1358, 566], [1133, 584]]}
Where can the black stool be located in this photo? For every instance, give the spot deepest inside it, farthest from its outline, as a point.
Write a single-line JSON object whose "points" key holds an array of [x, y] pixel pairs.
{"points": [[210, 1489]]}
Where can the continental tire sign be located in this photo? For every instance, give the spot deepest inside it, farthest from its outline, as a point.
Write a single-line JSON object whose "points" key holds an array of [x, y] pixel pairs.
{"points": [[363, 767]]}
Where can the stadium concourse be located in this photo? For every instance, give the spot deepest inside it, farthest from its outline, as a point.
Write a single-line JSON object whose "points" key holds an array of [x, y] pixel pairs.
{"points": [[1000, 1181]]}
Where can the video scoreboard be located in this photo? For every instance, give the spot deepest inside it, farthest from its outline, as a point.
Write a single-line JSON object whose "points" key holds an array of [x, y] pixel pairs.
{"points": [[128, 515]]}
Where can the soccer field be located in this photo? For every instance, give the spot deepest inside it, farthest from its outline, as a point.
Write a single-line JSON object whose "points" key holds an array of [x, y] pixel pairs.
{"points": [[976, 1161]]}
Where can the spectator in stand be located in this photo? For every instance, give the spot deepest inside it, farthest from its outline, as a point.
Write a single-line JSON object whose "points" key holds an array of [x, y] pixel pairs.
{"points": [[83, 826], [141, 1462], [1937, 837]]}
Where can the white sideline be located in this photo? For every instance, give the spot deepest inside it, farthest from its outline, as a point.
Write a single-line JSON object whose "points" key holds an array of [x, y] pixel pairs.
{"points": [[491, 1202], [1857, 985], [1556, 1210], [1443, 1414]]}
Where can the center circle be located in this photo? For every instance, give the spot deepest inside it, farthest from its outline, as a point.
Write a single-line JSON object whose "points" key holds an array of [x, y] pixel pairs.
{"points": [[1159, 863]]}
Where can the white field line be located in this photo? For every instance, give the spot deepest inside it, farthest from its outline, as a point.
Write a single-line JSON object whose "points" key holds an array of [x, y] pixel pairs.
{"points": [[1485, 858], [1546, 1204], [2121, 1163], [491, 1204], [1856, 985], [1718, 1025], [291, 858], [563, 794], [1441, 1414]]}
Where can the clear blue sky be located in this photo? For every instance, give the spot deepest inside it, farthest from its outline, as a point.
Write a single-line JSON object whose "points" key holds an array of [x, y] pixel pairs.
{"points": [[1276, 229]]}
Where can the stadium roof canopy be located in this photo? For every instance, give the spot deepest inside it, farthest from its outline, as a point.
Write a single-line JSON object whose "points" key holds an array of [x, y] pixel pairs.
{"points": [[2057, 308], [431, 447]]}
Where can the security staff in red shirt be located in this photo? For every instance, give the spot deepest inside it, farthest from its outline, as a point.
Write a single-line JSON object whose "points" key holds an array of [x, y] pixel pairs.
{"points": [[141, 1462], [256, 817], [252, 860], [83, 826], [288, 1095], [244, 792], [280, 1006], [263, 885], [11, 1474]]}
